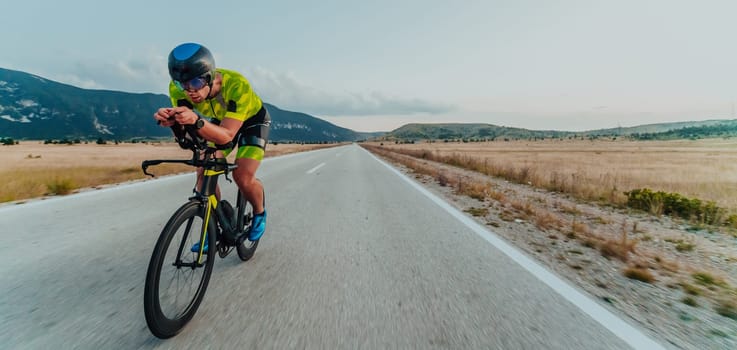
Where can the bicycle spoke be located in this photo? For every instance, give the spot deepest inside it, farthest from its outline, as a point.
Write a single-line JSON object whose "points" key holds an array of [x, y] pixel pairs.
{"points": [[186, 234], [176, 295], [174, 268], [183, 280]]}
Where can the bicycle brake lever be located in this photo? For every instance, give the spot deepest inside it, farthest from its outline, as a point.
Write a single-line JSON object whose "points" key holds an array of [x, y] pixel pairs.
{"points": [[144, 166]]}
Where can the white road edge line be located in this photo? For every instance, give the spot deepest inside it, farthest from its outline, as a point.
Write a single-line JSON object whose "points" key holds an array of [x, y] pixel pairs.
{"points": [[315, 168], [608, 320]]}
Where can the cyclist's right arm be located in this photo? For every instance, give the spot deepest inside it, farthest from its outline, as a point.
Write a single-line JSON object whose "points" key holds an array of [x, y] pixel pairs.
{"points": [[168, 116], [165, 117]]}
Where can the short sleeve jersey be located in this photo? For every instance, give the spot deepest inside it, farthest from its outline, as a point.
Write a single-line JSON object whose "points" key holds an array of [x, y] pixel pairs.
{"points": [[236, 99]]}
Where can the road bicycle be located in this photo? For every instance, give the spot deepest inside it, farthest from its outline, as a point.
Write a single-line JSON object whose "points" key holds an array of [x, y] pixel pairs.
{"points": [[178, 272]]}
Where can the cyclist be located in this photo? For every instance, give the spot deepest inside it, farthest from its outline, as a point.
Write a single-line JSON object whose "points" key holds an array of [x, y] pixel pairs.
{"points": [[222, 107]]}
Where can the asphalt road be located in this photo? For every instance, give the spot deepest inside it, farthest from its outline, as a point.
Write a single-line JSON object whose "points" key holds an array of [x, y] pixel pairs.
{"points": [[355, 256]]}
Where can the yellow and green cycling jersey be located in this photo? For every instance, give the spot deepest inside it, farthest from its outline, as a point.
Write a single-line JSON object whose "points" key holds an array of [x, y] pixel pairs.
{"points": [[236, 100]]}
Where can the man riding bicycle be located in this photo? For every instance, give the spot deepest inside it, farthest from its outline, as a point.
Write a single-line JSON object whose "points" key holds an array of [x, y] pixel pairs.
{"points": [[222, 107]]}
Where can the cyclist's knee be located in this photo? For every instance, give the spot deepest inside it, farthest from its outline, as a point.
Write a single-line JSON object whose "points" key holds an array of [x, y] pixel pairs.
{"points": [[245, 174], [244, 178]]}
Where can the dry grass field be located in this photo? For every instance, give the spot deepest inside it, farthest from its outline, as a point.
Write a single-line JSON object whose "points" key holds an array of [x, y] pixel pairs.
{"points": [[32, 169], [601, 170]]}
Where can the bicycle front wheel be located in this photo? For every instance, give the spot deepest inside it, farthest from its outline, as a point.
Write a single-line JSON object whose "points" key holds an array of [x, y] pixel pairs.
{"points": [[177, 277]]}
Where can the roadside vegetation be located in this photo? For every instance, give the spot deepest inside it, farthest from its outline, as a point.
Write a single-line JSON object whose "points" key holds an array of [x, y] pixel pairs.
{"points": [[690, 185], [31, 169], [690, 181]]}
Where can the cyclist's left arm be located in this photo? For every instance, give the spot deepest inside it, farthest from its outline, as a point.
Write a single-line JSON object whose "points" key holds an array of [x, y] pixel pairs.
{"points": [[242, 103], [219, 134]]}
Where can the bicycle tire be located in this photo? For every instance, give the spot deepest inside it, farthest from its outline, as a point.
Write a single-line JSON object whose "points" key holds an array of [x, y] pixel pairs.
{"points": [[160, 323], [246, 248]]}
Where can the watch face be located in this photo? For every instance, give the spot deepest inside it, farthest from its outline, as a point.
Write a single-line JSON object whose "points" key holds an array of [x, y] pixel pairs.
{"points": [[199, 124]]}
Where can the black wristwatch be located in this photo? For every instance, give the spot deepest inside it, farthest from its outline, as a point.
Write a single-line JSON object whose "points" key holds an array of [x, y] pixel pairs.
{"points": [[199, 123]]}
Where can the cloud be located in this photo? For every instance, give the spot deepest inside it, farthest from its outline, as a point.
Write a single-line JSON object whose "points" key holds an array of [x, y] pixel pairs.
{"points": [[144, 73], [147, 72], [285, 90], [76, 80]]}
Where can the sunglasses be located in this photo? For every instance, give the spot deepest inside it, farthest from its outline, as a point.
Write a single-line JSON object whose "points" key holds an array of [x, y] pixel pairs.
{"points": [[193, 84]]}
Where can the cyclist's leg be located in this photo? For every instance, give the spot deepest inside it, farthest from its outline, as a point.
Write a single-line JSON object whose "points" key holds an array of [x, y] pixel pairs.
{"points": [[199, 179], [245, 178], [251, 147], [253, 191]]}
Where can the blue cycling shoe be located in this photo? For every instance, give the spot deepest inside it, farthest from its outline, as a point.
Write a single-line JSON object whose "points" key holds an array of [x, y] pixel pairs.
{"points": [[196, 247], [258, 227]]}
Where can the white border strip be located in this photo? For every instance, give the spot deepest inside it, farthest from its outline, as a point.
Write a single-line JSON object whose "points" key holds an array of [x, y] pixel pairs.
{"points": [[616, 325]]}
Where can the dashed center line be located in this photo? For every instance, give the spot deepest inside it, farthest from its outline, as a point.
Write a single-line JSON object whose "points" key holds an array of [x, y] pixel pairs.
{"points": [[315, 168]]}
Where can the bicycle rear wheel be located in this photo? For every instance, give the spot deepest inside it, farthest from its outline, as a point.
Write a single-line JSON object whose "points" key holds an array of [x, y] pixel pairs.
{"points": [[177, 279], [246, 248]]}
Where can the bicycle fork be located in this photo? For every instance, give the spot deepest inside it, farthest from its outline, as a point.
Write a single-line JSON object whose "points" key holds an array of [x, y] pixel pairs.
{"points": [[209, 184], [212, 203]]}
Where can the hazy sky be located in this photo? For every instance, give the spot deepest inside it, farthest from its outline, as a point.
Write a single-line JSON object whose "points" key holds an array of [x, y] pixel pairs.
{"points": [[376, 65]]}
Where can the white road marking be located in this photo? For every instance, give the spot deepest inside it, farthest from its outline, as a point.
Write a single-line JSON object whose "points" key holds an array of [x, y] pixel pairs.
{"points": [[315, 168], [608, 320]]}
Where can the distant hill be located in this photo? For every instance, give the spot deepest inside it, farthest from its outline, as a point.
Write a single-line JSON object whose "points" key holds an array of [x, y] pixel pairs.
{"points": [[32, 107], [676, 130], [295, 126], [694, 130], [663, 127], [467, 131]]}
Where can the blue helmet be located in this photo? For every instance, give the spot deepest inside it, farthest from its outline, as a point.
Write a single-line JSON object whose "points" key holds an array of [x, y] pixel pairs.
{"points": [[189, 60]]}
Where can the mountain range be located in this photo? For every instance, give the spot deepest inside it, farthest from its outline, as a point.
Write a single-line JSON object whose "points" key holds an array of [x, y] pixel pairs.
{"points": [[674, 130], [32, 107]]}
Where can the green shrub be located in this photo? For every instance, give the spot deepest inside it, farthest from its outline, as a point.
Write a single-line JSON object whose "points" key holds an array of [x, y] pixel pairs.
{"points": [[685, 246], [691, 289], [731, 221], [60, 186], [707, 279], [478, 211], [690, 301], [674, 204], [727, 308]]}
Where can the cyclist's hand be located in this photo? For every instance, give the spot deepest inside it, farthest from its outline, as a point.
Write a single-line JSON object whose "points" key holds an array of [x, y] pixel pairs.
{"points": [[184, 115], [165, 117]]}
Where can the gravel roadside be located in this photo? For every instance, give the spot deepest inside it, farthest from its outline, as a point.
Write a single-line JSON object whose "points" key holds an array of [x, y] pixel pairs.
{"points": [[690, 299]]}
